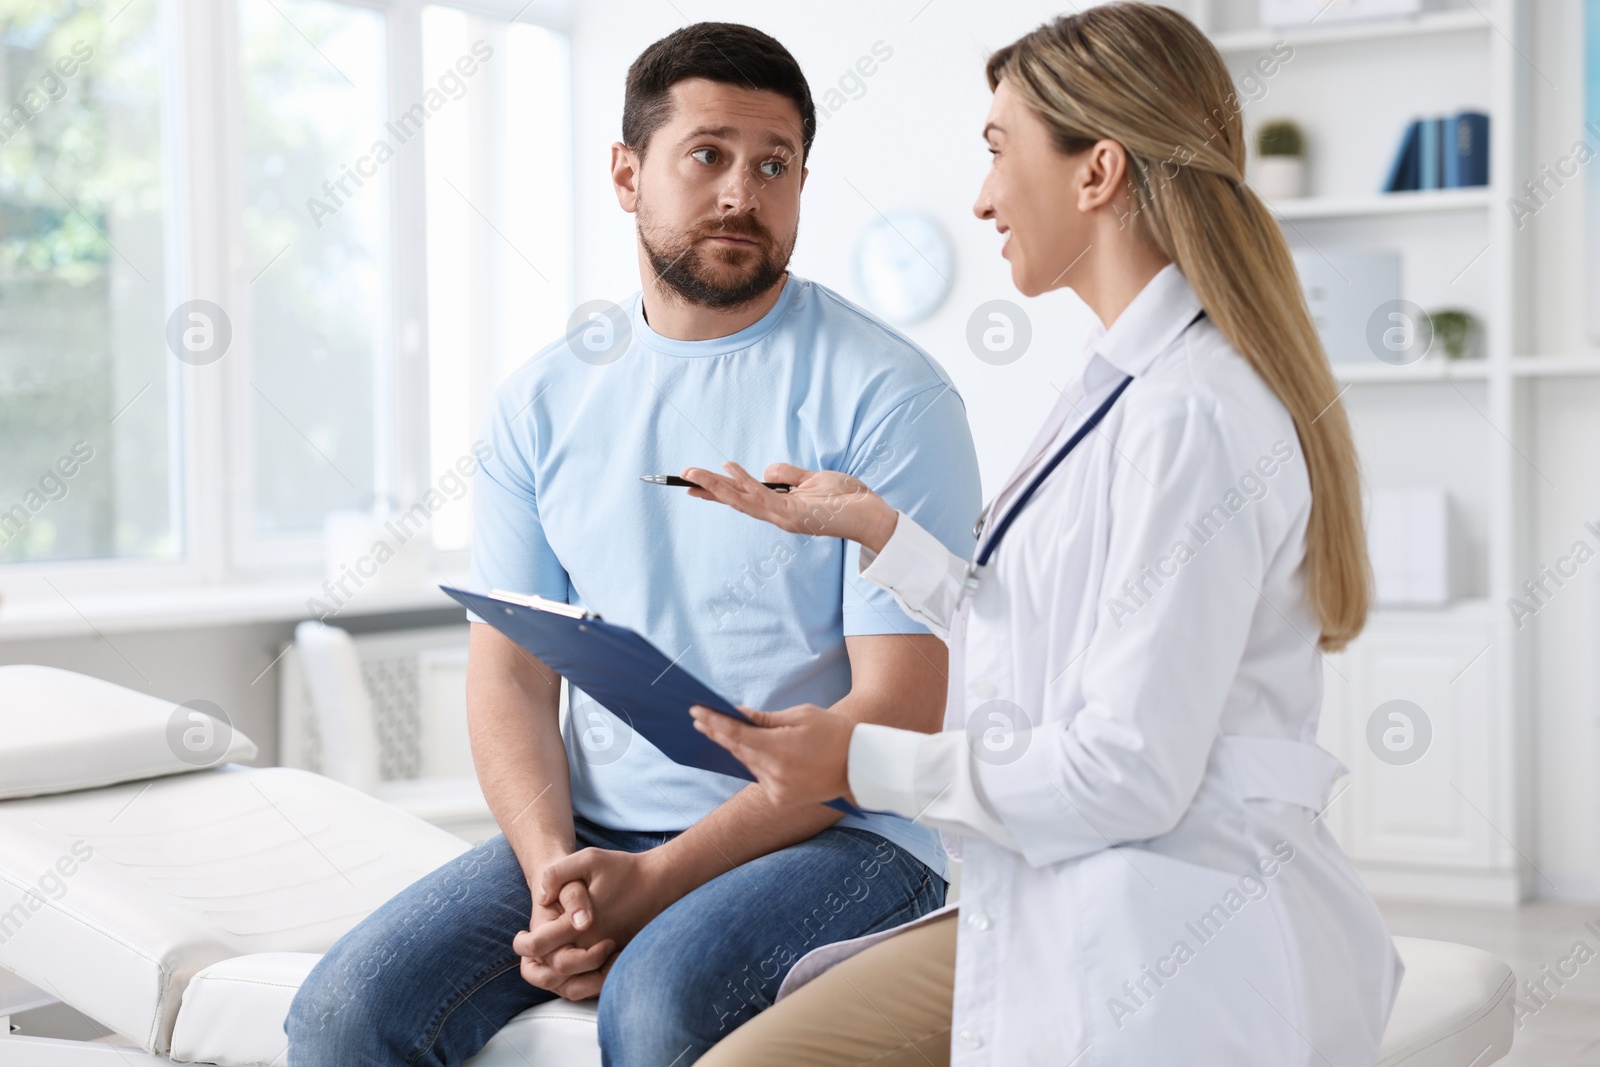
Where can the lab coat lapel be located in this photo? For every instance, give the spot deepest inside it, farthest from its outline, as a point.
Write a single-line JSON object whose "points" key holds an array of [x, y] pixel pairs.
{"points": [[1147, 326]]}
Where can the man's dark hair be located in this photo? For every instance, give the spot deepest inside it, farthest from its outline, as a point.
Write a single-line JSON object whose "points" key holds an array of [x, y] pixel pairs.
{"points": [[724, 52]]}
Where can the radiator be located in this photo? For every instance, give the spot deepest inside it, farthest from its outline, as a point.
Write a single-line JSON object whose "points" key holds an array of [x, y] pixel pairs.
{"points": [[417, 681]]}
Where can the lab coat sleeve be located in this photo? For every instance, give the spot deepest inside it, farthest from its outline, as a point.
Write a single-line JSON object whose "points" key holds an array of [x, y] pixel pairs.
{"points": [[924, 576], [920, 459], [1127, 765], [909, 773]]}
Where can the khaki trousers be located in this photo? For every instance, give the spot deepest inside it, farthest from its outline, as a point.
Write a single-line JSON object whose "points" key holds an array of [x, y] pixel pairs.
{"points": [[888, 1007]]}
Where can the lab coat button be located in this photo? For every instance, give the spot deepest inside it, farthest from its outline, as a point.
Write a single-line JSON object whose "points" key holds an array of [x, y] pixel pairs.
{"points": [[970, 1039], [978, 921]]}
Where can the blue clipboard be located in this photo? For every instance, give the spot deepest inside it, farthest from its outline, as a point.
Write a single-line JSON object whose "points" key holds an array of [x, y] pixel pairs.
{"points": [[623, 672]]}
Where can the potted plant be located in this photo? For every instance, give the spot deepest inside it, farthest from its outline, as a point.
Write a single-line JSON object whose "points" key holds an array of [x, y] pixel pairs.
{"points": [[1456, 331], [1280, 160]]}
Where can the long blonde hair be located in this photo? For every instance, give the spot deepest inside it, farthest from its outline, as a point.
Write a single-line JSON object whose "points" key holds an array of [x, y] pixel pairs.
{"points": [[1146, 77]]}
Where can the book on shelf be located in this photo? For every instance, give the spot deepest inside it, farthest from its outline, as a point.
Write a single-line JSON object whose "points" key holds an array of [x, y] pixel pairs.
{"points": [[1469, 134], [1403, 172], [1441, 153], [1430, 145]]}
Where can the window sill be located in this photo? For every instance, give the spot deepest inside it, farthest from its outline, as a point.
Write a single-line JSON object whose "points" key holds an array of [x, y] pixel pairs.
{"points": [[182, 608]]}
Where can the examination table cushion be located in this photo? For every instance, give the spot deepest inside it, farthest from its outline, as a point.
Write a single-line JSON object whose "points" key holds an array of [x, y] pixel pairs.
{"points": [[1454, 1010], [233, 1011], [233, 1016], [112, 899], [61, 731]]}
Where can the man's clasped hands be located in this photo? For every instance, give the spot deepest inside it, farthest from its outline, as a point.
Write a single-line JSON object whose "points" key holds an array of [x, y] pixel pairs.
{"points": [[586, 907]]}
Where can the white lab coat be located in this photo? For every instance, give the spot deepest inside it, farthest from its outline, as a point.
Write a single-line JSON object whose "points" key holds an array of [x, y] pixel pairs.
{"points": [[1128, 767]]}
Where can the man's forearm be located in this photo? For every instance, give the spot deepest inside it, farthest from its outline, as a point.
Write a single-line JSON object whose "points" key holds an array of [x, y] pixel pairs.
{"points": [[900, 682], [744, 827], [514, 721]]}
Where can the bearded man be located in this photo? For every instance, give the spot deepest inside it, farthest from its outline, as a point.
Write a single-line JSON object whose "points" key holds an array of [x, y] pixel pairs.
{"points": [[680, 897]]}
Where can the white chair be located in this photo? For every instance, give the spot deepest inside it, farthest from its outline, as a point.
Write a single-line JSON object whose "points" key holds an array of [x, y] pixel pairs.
{"points": [[350, 752]]}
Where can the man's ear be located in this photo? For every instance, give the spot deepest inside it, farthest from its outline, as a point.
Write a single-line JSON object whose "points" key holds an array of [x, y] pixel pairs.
{"points": [[803, 172], [625, 167]]}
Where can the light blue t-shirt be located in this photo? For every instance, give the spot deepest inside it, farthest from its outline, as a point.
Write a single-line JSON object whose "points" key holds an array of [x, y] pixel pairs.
{"points": [[758, 614]]}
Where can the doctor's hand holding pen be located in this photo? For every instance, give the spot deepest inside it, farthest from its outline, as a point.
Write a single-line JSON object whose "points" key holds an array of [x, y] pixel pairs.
{"points": [[821, 503], [800, 754]]}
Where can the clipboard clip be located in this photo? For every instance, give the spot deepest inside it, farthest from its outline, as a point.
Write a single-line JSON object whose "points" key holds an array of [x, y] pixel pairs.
{"points": [[539, 603]]}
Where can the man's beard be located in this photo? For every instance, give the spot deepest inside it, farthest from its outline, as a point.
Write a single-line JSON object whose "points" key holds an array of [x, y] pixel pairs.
{"points": [[680, 261]]}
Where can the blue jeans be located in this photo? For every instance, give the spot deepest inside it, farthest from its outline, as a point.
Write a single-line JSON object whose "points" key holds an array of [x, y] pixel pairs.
{"points": [[430, 976]]}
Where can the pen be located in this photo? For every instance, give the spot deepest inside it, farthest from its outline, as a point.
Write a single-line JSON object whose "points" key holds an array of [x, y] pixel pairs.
{"points": [[673, 479]]}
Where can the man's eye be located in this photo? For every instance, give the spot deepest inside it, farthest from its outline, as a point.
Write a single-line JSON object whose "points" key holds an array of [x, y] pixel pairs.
{"points": [[700, 153], [773, 168]]}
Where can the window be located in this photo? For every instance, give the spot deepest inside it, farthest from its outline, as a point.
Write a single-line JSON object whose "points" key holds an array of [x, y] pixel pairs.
{"points": [[377, 195], [87, 388], [498, 158], [316, 218]]}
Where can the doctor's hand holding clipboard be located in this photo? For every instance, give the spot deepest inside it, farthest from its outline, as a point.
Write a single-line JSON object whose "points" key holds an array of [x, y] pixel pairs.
{"points": [[1127, 767]]}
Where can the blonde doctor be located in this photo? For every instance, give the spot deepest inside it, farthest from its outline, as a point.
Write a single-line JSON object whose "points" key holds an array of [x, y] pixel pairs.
{"points": [[1128, 767]]}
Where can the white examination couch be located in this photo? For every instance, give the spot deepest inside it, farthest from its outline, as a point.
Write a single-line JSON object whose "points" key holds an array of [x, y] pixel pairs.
{"points": [[181, 907]]}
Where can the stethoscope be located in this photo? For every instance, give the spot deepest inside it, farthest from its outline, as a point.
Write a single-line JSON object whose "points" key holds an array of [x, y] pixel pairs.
{"points": [[977, 565]]}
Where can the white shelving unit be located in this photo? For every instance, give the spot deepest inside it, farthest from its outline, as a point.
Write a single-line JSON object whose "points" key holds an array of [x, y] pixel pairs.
{"points": [[1334, 207], [1427, 370], [1556, 366], [1455, 824], [1429, 23]]}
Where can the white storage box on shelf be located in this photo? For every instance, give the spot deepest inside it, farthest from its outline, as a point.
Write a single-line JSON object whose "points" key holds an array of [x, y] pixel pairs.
{"points": [[1342, 289], [1412, 544]]}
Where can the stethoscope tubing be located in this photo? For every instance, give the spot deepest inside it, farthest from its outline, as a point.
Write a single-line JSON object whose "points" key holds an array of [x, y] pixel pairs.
{"points": [[988, 548]]}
